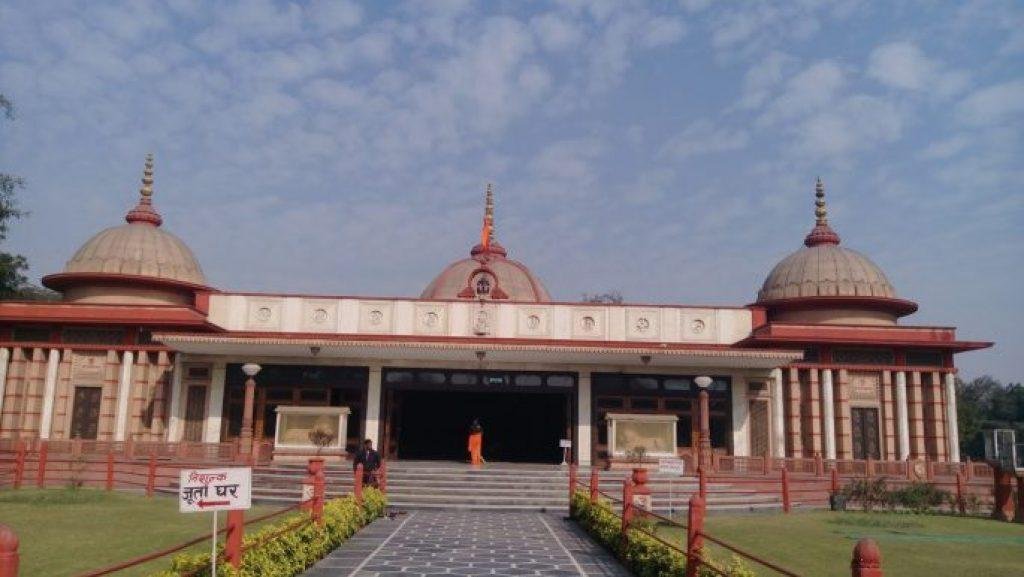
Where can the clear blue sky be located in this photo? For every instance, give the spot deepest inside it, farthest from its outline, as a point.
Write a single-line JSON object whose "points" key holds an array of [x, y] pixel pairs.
{"points": [[667, 150]]}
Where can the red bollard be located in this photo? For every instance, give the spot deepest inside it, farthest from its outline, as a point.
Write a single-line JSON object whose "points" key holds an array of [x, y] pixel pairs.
{"points": [[44, 451], [694, 538], [233, 540], [8, 552], [357, 484], [867, 559], [19, 464], [702, 483], [595, 480], [110, 470], [151, 475], [382, 477], [785, 491], [572, 484], [319, 491], [835, 481], [1002, 509]]}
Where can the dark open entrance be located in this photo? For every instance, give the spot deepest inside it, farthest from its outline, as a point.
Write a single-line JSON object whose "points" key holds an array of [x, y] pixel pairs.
{"points": [[518, 427]]}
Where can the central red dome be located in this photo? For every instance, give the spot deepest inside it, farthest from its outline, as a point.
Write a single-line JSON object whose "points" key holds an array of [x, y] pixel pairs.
{"points": [[488, 273]]}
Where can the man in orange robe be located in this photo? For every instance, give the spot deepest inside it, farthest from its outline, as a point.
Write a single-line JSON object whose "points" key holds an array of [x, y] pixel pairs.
{"points": [[476, 443]]}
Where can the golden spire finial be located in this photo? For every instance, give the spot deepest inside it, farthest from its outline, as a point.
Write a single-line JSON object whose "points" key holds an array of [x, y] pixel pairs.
{"points": [[147, 179], [489, 212], [820, 211]]}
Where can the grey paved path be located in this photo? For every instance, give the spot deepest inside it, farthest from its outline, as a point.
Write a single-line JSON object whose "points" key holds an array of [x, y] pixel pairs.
{"points": [[469, 543]]}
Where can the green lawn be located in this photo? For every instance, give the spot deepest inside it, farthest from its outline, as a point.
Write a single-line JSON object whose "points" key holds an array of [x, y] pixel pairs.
{"points": [[66, 532], [820, 544]]}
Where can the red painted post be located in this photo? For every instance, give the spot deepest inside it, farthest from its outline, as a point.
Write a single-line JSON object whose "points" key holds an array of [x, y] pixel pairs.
{"points": [[1002, 508], [785, 491], [357, 484], [1020, 501], [595, 481], [44, 450], [151, 475], [572, 483], [382, 477], [627, 507], [233, 541], [702, 483], [867, 559], [19, 464], [961, 504], [319, 491], [835, 481], [694, 533], [110, 471], [8, 552], [819, 465]]}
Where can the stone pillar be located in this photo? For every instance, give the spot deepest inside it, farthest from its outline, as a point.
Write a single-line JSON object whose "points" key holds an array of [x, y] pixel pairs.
{"points": [[813, 420], [174, 417], [49, 393], [795, 442], [936, 419], [5, 357], [844, 436], [888, 418], [124, 387], [829, 413], [215, 403], [740, 417], [373, 395], [583, 424], [902, 416], [778, 416], [916, 402], [952, 428]]}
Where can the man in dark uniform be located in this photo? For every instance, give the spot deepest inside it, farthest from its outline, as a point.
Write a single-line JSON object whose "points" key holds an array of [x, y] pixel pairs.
{"points": [[370, 460]]}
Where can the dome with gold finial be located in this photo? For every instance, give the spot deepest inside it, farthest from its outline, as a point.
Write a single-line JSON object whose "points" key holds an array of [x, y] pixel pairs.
{"points": [[488, 273], [140, 254], [824, 282]]}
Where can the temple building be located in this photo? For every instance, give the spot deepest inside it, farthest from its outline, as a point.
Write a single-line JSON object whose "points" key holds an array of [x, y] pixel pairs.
{"points": [[142, 349]]}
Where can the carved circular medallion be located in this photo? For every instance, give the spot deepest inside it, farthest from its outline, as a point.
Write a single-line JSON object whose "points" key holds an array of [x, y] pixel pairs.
{"points": [[643, 324], [533, 322], [697, 326], [376, 317], [320, 316], [431, 319], [588, 324], [263, 314]]}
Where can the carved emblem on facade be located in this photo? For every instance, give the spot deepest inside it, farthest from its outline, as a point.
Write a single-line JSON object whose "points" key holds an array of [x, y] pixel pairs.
{"points": [[320, 316], [431, 319], [481, 323], [376, 317], [643, 324], [263, 314], [698, 326], [533, 322], [588, 324]]}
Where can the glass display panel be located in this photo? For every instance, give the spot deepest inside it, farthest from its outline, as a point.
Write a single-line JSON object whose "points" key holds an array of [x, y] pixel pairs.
{"points": [[560, 381], [655, 437], [432, 378], [677, 384], [398, 377], [295, 428], [528, 380]]}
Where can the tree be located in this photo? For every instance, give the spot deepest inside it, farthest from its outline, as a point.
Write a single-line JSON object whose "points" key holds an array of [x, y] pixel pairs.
{"points": [[986, 403], [610, 297], [13, 282]]}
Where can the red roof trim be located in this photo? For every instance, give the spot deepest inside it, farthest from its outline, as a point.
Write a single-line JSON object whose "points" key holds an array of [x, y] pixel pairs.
{"points": [[899, 307]]}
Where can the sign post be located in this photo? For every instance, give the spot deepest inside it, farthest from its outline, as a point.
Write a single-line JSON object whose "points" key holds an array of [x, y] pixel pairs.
{"points": [[226, 489], [674, 467], [565, 445]]}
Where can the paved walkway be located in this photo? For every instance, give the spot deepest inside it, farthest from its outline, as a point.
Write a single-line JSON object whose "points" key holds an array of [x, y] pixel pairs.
{"points": [[469, 543]]}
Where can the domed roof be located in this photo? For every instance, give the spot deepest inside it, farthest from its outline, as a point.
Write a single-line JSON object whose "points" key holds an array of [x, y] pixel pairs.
{"points": [[824, 269], [138, 248], [488, 273]]}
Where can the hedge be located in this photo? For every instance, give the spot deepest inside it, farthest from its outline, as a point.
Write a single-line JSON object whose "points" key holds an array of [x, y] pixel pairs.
{"points": [[295, 551], [644, 556]]}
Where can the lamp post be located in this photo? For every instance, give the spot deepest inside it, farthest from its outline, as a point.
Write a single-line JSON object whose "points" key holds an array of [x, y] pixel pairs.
{"points": [[246, 434], [704, 442]]}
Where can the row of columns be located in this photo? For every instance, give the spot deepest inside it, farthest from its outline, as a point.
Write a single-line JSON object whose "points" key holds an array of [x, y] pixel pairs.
{"points": [[836, 436]]}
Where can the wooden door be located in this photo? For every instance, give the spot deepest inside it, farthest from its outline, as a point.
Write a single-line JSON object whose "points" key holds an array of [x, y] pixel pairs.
{"points": [[195, 413], [85, 415], [759, 428], [865, 433]]}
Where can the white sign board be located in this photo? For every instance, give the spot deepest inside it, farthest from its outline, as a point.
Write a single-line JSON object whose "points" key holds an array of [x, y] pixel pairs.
{"points": [[227, 489], [671, 466], [565, 443]]}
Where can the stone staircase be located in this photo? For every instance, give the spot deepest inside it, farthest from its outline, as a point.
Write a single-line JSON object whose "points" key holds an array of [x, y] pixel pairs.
{"points": [[499, 486]]}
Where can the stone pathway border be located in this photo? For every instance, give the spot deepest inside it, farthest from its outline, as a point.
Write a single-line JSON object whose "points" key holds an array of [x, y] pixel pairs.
{"points": [[469, 543]]}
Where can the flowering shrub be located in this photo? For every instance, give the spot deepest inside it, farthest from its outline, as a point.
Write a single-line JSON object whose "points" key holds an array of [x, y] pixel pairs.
{"points": [[294, 551], [642, 554]]}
